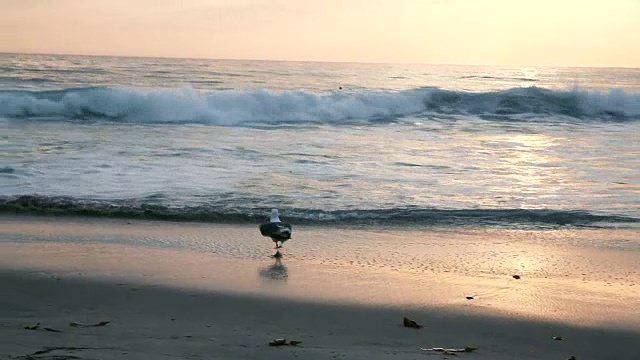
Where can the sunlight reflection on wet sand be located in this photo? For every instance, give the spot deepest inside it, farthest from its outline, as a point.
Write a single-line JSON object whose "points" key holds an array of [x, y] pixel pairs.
{"points": [[560, 279]]}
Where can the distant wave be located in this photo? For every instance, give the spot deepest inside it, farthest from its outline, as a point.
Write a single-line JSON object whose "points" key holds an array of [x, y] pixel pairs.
{"points": [[484, 77], [407, 216], [249, 107]]}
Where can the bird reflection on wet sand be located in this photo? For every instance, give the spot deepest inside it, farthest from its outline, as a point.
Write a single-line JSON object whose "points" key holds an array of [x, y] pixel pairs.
{"points": [[276, 271]]}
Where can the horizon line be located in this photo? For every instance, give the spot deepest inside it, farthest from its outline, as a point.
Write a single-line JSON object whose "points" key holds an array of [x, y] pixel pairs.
{"points": [[316, 61]]}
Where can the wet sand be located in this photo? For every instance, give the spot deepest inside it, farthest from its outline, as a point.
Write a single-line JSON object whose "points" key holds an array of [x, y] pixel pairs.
{"points": [[182, 302]]}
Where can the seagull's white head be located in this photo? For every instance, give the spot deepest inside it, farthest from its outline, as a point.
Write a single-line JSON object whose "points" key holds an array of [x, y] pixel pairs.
{"points": [[275, 216]]}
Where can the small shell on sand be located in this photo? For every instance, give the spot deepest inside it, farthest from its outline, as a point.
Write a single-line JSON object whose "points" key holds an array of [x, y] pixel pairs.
{"points": [[278, 342]]}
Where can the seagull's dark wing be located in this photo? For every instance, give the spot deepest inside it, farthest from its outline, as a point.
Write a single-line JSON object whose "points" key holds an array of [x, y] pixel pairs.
{"points": [[278, 231]]}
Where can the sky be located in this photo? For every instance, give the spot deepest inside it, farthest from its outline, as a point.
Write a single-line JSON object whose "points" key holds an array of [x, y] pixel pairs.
{"points": [[482, 32]]}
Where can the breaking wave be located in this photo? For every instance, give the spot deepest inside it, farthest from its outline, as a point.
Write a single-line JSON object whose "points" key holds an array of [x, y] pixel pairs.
{"points": [[150, 209], [251, 107]]}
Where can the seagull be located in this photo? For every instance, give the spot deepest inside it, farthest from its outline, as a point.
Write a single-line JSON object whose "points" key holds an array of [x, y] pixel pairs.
{"points": [[276, 230]]}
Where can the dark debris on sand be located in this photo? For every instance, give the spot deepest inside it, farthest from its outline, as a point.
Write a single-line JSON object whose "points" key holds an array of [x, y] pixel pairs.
{"points": [[77, 324], [44, 353], [406, 322], [284, 342]]}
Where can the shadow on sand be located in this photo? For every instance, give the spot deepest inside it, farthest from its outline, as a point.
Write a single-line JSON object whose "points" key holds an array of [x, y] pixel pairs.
{"points": [[275, 271]]}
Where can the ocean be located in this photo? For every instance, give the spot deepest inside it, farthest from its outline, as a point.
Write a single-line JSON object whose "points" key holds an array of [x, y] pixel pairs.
{"points": [[339, 144]]}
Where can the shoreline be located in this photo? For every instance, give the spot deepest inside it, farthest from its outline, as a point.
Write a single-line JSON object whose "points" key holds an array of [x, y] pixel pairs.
{"points": [[31, 206]]}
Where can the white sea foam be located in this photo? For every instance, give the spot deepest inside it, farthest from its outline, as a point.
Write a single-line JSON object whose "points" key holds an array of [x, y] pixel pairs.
{"points": [[242, 107]]}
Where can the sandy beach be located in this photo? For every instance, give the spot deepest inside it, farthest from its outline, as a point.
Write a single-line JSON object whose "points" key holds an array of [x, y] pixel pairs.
{"points": [[230, 299]]}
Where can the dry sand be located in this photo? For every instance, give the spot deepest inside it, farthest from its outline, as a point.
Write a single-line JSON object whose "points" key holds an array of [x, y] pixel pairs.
{"points": [[180, 303]]}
